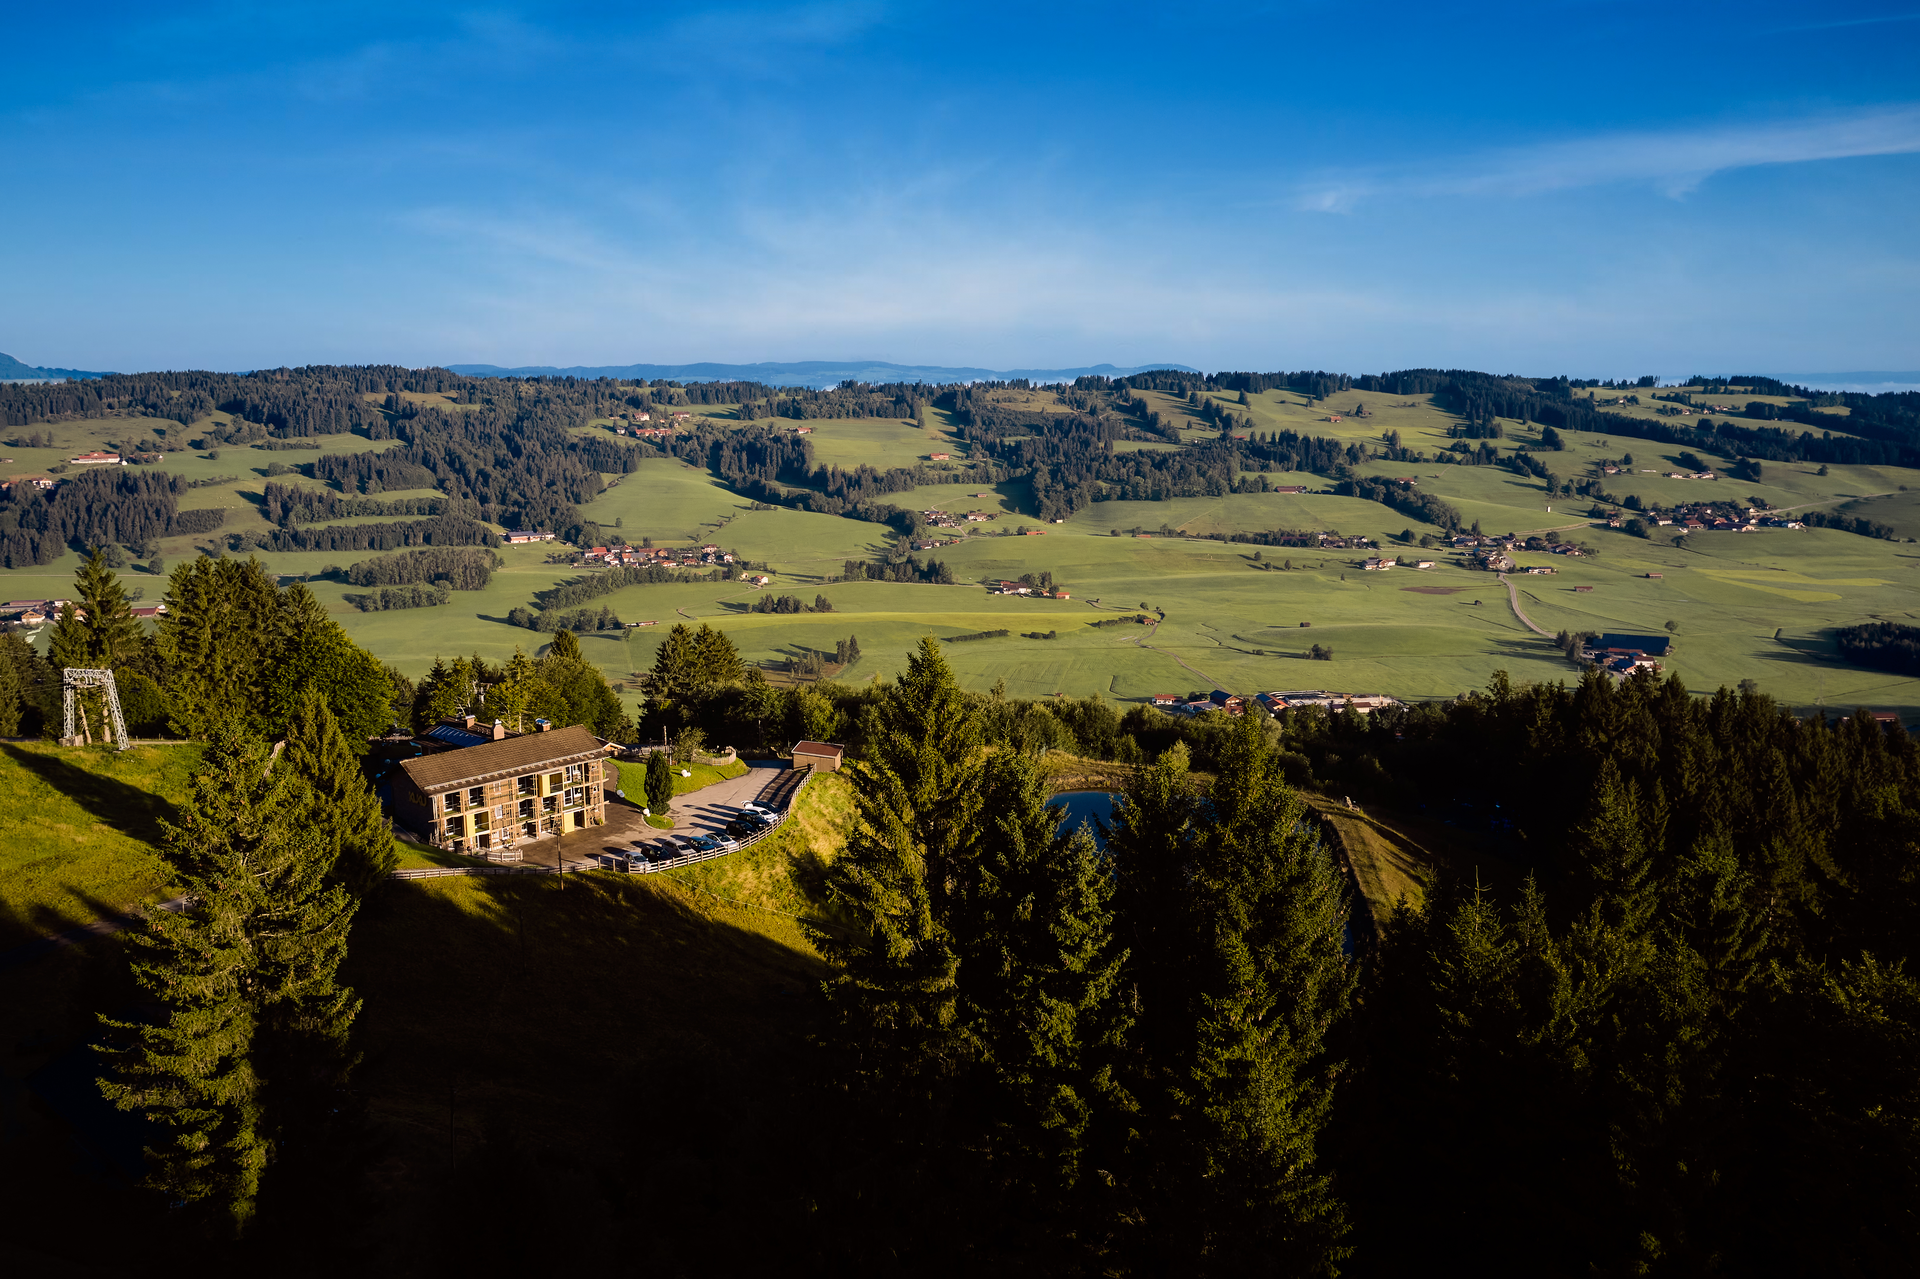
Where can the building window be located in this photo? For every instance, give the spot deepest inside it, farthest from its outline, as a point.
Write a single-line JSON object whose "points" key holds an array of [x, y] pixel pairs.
{"points": [[550, 804], [526, 810], [453, 801], [575, 797], [579, 819], [480, 822], [477, 797], [575, 773], [529, 785], [553, 782], [530, 829], [486, 841], [456, 827]]}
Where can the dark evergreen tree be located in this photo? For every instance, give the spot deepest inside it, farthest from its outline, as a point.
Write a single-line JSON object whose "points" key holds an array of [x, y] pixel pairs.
{"points": [[245, 974], [341, 806]]}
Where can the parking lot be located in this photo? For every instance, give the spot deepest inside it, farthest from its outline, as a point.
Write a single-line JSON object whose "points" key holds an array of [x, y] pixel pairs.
{"points": [[700, 812]]}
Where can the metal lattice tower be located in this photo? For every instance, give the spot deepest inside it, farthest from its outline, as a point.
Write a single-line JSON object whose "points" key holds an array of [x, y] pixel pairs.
{"points": [[72, 681]]}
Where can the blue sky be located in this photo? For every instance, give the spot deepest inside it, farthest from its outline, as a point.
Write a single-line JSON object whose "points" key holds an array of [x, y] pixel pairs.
{"points": [[1593, 188]]}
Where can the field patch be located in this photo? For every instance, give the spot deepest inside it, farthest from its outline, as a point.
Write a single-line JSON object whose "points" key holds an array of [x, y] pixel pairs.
{"points": [[1434, 590]]}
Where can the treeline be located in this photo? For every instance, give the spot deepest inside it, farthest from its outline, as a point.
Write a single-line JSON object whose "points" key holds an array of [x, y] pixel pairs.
{"points": [[1661, 1020], [898, 568], [290, 504], [441, 530], [1404, 498], [580, 621], [460, 568], [791, 604], [581, 589], [392, 597], [1848, 524], [95, 508], [1887, 646]]}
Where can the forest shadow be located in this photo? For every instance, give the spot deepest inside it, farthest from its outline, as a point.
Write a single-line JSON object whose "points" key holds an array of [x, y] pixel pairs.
{"points": [[546, 1027]]}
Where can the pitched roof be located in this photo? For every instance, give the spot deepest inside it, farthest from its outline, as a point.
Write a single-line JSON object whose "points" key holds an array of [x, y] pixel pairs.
{"points": [[819, 748], [493, 759]]}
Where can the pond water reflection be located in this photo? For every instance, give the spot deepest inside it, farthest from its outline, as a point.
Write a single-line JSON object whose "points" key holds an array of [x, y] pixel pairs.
{"points": [[1084, 806]]}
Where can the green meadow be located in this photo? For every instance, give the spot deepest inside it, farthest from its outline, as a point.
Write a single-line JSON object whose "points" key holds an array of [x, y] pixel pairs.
{"points": [[1758, 606]]}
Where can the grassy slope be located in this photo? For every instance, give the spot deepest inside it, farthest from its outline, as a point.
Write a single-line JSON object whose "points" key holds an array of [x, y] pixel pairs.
{"points": [[78, 826]]}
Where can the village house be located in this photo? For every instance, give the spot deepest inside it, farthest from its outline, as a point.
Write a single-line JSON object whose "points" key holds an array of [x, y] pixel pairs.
{"points": [[825, 756], [1376, 565], [486, 790], [97, 459], [941, 457], [516, 537], [1164, 700]]}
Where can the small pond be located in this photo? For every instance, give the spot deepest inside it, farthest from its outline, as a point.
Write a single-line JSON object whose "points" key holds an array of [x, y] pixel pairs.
{"points": [[1085, 806]]}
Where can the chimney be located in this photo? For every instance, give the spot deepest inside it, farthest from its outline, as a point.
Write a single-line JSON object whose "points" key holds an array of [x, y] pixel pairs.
{"points": [[499, 730], [542, 725], [467, 719]]}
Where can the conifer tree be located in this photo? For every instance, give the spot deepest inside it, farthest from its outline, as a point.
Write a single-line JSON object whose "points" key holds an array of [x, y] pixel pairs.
{"points": [[246, 973], [917, 799], [12, 705], [70, 645], [113, 635], [440, 694], [1038, 971], [1236, 971], [659, 782], [565, 645], [214, 641], [341, 806]]}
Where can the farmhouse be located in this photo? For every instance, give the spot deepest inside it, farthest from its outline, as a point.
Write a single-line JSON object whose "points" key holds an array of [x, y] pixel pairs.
{"points": [[1289, 488], [825, 756], [941, 457], [485, 789], [516, 536], [1164, 700], [1376, 565], [97, 459]]}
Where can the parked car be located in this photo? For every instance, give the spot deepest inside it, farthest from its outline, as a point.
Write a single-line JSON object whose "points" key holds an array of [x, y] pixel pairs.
{"points": [[703, 843], [752, 818], [741, 828], [752, 806], [725, 844]]}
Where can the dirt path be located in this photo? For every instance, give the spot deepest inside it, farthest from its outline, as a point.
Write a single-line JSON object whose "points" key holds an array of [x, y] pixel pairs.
{"points": [[1513, 598]]}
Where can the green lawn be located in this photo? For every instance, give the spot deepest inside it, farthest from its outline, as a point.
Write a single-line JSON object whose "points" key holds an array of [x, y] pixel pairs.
{"points": [[78, 832]]}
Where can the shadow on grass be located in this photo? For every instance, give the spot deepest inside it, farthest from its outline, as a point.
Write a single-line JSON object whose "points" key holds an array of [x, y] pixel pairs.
{"points": [[127, 809]]}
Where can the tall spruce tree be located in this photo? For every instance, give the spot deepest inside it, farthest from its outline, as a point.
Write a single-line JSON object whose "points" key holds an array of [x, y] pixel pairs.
{"points": [[113, 635], [1037, 977], [917, 799], [214, 641], [245, 975], [1234, 915], [341, 806]]}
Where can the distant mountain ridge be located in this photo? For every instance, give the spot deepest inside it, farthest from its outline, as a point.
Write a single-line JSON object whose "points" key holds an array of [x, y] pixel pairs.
{"points": [[12, 370], [810, 373]]}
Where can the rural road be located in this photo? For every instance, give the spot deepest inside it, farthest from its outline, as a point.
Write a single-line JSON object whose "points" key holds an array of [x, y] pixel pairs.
{"points": [[1513, 598]]}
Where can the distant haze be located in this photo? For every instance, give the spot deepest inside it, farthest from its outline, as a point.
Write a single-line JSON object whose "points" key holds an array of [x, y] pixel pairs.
{"points": [[811, 373]]}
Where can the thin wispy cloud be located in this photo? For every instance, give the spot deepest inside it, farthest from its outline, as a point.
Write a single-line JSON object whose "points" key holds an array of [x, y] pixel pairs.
{"points": [[1842, 23], [1673, 162]]}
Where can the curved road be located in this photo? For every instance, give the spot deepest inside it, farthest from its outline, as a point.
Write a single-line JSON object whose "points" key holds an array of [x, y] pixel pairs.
{"points": [[1513, 598]]}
